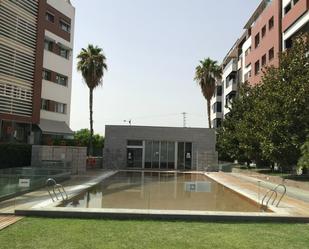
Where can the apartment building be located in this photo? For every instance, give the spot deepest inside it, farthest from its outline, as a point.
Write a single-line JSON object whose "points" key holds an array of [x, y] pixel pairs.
{"points": [[295, 20], [269, 31], [36, 43], [264, 28]]}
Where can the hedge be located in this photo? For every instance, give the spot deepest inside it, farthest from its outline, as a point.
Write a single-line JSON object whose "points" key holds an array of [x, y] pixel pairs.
{"points": [[15, 155]]}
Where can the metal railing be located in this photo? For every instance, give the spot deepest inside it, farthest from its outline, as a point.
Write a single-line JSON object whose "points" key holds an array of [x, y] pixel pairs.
{"points": [[53, 188], [273, 193]]}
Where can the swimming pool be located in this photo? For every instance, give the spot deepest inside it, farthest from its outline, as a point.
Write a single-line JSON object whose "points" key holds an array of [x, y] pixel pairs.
{"points": [[162, 191]]}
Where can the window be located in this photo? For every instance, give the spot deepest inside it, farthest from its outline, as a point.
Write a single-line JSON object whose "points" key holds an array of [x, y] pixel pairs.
{"points": [[46, 75], [219, 90], [248, 51], [217, 107], [288, 43], [64, 53], [135, 143], [53, 106], [263, 31], [60, 108], [271, 54], [61, 80], [44, 104], [257, 40], [216, 123], [263, 60], [48, 45], [49, 17], [271, 23], [257, 67], [287, 8], [65, 26], [295, 2]]}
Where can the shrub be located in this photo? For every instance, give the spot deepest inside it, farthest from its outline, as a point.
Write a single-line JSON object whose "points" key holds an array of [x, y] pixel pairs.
{"points": [[15, 155]]}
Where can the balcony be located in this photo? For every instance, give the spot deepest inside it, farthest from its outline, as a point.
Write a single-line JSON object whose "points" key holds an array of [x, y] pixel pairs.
{"points": [[294, 14], [230, 67], [230, 86]]}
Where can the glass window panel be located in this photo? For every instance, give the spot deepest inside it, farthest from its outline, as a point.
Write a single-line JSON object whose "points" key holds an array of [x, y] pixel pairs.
{"points": [[155, 154], [163, 155], [135, 143], [180, 156], [148, 153], [171, 155]]}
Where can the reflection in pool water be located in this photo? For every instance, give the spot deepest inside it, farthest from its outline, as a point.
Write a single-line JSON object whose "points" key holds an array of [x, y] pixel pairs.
{"points": [[164, 191]]}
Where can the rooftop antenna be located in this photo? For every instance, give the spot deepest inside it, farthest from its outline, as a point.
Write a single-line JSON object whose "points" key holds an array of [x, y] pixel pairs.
{"points": [[128, 121], [184, 119]]}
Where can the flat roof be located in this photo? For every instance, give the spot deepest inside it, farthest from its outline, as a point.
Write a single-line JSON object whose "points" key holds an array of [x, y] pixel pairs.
{"points": [[257, 13], [157, 127]]}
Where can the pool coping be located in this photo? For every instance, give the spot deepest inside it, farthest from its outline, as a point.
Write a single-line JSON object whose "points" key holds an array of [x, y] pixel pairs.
{"points": [[143, 214]]}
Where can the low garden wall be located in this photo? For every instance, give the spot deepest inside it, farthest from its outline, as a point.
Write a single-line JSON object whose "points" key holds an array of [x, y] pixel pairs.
{"points": [[76, 157]]}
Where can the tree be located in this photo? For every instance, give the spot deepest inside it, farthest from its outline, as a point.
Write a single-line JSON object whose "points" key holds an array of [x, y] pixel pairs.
{"points": [[82, 137], [303, 162], [92, 65], [270, 122], [282, 106], [206, 74]]}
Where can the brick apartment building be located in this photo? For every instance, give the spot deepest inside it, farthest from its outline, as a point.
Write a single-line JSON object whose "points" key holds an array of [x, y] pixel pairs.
{"points": [[269, 31]]}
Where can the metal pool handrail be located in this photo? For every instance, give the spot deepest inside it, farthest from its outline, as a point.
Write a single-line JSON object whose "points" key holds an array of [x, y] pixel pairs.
{"points": [[53, 187], [274, 192]]}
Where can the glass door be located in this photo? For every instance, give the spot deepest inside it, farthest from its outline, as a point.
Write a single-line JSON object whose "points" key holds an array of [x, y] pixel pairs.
{"points": [[134, 157], [188, 156], [184, 156]]}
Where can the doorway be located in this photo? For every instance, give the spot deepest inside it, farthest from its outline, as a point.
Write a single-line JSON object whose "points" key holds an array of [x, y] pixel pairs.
{"points": [[134, 157]]}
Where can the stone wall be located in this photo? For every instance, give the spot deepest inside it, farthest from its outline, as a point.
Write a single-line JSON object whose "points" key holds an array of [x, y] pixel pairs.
{"points": [[76, 157]]}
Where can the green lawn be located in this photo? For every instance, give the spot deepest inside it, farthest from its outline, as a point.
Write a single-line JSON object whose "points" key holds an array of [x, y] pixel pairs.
{"points": [[75, 233]]}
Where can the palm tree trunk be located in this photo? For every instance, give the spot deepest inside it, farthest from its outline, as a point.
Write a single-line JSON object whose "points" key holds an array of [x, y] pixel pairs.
{"points": [[91, 121], [208, 113]]}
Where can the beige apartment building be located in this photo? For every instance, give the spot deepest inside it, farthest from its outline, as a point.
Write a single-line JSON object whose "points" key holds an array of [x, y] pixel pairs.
{"points": [[36, 44]]}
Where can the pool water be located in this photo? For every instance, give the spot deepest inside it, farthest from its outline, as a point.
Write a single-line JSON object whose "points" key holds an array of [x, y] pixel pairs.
{"points": [[163, 191]]}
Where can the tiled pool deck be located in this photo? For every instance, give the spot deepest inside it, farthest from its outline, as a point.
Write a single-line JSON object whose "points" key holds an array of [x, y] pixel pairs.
{"points": [[38, 203]]}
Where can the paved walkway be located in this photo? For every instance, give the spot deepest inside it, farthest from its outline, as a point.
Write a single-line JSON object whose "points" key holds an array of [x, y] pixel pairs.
{"points": [[249, 188], [294, 192]]}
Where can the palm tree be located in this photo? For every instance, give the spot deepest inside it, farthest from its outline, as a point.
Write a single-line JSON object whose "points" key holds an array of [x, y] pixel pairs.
{"points": [[206, 74], [92, 65]]}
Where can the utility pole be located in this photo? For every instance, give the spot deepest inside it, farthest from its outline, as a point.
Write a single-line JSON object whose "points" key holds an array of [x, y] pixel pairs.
{"points": [[184, 119]]}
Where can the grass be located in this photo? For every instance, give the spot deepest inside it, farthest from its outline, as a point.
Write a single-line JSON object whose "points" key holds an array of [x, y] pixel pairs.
{"points": [[77, 233]]}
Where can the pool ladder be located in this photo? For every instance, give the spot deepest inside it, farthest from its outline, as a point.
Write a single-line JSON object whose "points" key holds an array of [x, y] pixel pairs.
{"points": [[273, 193], [53, 187]]}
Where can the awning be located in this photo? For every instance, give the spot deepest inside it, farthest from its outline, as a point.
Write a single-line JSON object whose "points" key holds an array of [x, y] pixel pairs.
{"points": [[52, 127]]}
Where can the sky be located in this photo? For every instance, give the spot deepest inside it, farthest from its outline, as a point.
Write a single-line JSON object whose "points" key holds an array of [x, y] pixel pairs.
{"points": [[152, 49]]}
